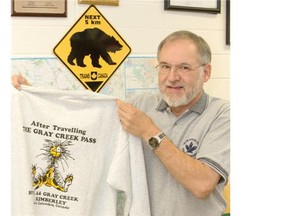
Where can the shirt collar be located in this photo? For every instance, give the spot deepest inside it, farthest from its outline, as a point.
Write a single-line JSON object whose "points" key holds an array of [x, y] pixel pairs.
{"points": [[199, 107]]}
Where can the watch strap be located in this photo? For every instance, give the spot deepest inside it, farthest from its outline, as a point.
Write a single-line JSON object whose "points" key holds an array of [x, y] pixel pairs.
{"points": [[160, 136]]}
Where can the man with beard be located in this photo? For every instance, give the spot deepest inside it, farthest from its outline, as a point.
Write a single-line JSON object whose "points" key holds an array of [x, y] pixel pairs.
{"points": [[185, 132]]}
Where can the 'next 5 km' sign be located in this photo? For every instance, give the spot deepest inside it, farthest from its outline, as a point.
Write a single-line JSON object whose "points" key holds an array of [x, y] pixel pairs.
{"points": [[92, 49]]}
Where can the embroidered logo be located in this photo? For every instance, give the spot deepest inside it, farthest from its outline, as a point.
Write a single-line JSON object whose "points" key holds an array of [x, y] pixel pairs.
{"points": [[190, 147]]}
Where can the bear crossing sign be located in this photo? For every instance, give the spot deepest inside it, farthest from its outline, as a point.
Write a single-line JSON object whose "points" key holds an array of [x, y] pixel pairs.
{"points": [[92, 49]]}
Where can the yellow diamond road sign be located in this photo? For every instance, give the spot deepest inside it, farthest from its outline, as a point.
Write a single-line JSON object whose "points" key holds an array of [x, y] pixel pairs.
{"points": [[92, 49]]}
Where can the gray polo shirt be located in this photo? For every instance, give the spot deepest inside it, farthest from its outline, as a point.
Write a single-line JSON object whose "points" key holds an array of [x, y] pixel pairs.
{"points": [[202, 132]]}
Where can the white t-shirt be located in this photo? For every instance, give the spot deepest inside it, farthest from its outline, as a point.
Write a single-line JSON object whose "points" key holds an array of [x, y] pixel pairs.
{"points": [[70, 156]]}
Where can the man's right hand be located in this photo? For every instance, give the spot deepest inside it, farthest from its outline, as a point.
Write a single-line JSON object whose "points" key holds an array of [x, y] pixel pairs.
{"points": [[18, 80]]}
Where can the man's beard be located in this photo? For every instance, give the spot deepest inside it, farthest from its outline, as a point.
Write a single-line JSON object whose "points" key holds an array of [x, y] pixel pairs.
{"points": [[175, 100]]}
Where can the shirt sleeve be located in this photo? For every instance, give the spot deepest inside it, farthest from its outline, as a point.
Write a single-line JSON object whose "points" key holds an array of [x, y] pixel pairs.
{"points": [[215, 145]]}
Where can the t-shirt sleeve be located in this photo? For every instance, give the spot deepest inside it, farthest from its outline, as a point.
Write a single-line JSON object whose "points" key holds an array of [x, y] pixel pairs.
{"points": [[215, 146]]}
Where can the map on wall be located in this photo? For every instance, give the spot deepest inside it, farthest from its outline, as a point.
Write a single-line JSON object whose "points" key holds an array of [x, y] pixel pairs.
{"points": [[135, 75]]}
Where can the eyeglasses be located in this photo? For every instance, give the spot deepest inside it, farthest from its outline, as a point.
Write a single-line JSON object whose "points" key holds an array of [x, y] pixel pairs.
{"points": [[182, 68]]}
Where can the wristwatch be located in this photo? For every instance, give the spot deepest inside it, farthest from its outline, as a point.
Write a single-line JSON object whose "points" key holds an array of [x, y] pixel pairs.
{"points": [[155, 141]]}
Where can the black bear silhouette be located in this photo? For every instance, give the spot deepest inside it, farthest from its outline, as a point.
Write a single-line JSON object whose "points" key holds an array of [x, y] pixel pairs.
{"points": [[93, 42]]}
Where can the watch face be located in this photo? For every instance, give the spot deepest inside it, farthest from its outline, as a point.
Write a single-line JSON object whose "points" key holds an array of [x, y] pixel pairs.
{"points": [[153, 142]]}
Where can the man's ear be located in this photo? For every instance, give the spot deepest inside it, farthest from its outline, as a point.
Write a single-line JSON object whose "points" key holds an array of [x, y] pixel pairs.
{"points": [[207, 72]]}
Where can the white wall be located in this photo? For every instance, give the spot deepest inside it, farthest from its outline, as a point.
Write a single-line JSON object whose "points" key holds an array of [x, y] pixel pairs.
{"points": [[141, 23]]}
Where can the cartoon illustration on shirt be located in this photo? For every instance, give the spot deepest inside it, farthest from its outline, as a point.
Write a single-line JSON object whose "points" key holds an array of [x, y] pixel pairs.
{"points": [[55, 153]]}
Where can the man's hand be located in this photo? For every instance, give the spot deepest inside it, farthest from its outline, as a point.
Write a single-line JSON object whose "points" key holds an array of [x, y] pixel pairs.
{"points": [[136, 122], [194, 175], [18, 80]]}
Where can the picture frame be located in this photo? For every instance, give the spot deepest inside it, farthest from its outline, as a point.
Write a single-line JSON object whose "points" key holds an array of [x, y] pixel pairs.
{"points": [[207, 6], [100, 2], [227, 22], [36, 8]]}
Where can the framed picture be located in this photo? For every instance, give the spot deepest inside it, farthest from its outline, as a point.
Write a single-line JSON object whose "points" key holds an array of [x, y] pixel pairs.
{"points": [[227, 22], [39, 8], [207, 6], [100, 2]]}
